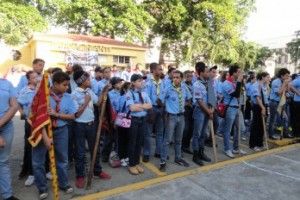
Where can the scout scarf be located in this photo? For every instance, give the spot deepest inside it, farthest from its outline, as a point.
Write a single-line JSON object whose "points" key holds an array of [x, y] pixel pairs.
{"points": [[157, 85], [57, 99], [85, 92], [180, 97]]}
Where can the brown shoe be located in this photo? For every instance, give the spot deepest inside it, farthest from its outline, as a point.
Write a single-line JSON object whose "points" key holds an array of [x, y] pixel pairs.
{"points": [[139, 168], [133, 170]]}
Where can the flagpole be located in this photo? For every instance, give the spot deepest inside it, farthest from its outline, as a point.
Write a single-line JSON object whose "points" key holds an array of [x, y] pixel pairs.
{"points": [[93, 160], [51, 150]]}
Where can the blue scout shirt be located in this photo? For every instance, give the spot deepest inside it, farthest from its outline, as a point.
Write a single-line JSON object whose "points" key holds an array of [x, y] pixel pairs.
{"points": [[248, 88], [67, 106], [153, 89], [166, 83], [24, 82], [99, 87], [275, 87], [132, 97], [94, 85], [199, 92], [228, 88], [78, 98], [175, 99], [7, 91], [257, 90], [114, 96], [25, 99], [296, 84], [122, 108]]}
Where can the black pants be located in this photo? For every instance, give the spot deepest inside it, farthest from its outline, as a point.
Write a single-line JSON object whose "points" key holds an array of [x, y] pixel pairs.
{"points": [[71, 147], [188, 128], [136, 137], [27, 157], [123, 141], [296, 118], [256, 131], [248, 108]]}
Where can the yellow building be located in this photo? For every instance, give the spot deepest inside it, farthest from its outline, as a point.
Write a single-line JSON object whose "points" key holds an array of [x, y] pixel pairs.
{"points": [[58, 50]]}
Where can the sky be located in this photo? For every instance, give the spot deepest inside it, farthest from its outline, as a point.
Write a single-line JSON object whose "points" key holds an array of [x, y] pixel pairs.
{"points": [[274, 22]]}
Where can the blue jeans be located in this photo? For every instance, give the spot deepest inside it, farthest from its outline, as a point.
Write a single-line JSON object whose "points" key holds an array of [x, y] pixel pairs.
{"points": [[158, 125], [7, 133], [174, 126], [200, 129], [273, 117], [84, 131], [60, 141], [231, 121]]}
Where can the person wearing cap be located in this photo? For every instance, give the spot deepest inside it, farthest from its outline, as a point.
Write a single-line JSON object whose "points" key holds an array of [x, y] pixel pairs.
{"points": [[175, 98], [152, 88], [138, 103], [84, 98]]}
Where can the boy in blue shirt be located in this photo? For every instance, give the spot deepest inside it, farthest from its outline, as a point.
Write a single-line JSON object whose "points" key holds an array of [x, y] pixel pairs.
{"points": [[174, 97], [202, 113], [295, 86], [138, 103], [278, 88], [231, 91], [84, 98], [8, 108], [61, 110]]}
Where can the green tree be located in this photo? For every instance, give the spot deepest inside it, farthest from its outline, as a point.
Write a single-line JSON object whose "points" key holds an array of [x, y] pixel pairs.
{"points": [[115, 18], [293, 48], [18, 21]]}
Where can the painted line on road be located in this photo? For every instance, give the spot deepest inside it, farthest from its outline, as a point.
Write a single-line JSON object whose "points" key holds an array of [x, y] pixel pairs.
{"points": [[288, 159], [270, 171], [154, 169], [154, 181]]}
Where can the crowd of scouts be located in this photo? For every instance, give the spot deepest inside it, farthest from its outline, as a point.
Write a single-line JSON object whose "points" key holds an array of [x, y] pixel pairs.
{"points": [[174, 108]]}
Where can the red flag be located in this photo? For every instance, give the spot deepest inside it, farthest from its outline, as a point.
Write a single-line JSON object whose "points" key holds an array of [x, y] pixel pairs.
{"points": [[39, 116]]}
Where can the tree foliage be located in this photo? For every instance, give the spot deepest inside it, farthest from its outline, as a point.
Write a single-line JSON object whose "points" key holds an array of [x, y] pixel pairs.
{"points": [[293, 48], [18, 20]]}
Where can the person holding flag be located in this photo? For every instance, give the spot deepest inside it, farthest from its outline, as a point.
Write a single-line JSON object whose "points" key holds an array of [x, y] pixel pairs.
{"points": [[50, 114]]}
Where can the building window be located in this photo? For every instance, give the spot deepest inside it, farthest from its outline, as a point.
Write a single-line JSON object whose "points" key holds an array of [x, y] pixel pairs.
{"points": [[121, 59]]}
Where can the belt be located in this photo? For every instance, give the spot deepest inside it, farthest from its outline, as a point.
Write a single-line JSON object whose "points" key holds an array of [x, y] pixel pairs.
{"points": [[134, 117], [87, 123], [178, 114], [234, 106]]}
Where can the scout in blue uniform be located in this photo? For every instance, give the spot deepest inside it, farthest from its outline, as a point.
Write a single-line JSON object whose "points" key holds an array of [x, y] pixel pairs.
{"points": [[259, 100], [231, 91], [188, 115], [153, 88], [61, 110], [84, 98], [295, 85], [138, 103], [8, 108], [24, 99], [123, 133], [202, 113], [38, 67], [174, 98], [251, 80], [278, 86]]}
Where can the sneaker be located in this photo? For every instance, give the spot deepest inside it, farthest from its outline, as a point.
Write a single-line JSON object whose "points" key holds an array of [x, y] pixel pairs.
{"points": [[239, 151], [162, 167], [79, 182], [182, 162], [244, 138], [49, 176], [146, 158], [43, 195], [274, 137], [103, 175], [133, 170], [256, 149], [127, 161], [140, 169], [229, 154], [68, 189], [29, 181], [123, 163]]}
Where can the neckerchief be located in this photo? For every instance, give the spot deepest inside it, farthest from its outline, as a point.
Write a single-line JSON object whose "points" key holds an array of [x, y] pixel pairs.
{"points": [[57, 99], [180, 97], [157, 84], [86, 92], [232, 81]]}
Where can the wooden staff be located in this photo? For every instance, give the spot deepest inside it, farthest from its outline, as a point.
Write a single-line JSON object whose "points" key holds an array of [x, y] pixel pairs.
{"points": [[212, 132], [51, 150], [265, 133], [98, 134]]}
